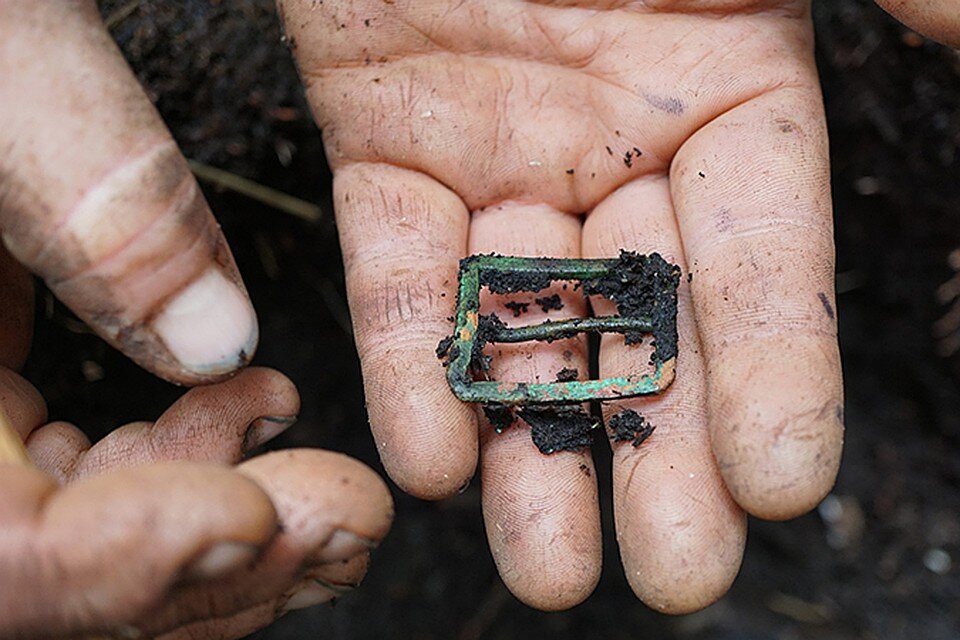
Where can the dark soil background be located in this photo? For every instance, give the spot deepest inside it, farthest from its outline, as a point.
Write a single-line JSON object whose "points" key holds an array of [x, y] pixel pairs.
{"points": [[873, 562]]}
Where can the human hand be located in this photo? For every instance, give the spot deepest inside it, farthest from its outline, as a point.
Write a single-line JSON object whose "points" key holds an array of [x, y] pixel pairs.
{"points": [[164, 529], [693, 128], [96, 198], [153, 531], [937, 19]]}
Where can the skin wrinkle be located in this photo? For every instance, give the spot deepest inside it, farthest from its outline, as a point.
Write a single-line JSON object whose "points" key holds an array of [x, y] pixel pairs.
{"points": [[115, 315], [176, 208], [706, 8], [153, 156], [642, 168]]}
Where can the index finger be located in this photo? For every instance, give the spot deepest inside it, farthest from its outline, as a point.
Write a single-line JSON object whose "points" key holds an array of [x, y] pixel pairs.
{"points": [[402, 235], [752, 195]]}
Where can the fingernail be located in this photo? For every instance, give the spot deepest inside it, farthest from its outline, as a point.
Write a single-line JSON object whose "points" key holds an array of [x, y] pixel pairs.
{"points": [[335, 587], [343, 545], [312, 594], [221, 559], [265, 429], [209, 327]]}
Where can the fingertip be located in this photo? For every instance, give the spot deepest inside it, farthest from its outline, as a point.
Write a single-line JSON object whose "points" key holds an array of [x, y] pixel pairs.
{"points": [[426, 437], [325, 492], [688, 564], [56, 447], [431, 477], [776, 490], [777, 432], [279, 391], [547, 589], [677, 600], [680, 533], [209, 328]]}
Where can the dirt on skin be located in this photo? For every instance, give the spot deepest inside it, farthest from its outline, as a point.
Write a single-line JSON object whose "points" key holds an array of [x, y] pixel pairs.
{"points": [[550, 303], [500, 416], [555, 429], [644, 285], [518, 308], [630, 426]]}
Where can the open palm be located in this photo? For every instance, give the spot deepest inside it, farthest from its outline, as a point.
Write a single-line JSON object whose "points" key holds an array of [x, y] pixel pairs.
{"points": [[576, 129]]}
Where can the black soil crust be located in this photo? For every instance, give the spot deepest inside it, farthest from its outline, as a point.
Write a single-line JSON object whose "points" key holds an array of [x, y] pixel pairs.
{"points": [[567, 374], [628, 425], [487, 327], [550, 303], [443, 347], [556, 429], [518, 308], [499, 282], [500, 416], [644, 285]]}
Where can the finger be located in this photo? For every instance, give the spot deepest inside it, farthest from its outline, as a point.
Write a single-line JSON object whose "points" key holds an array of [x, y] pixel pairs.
{"points": [[99, 202], [21, 403], [402, 236], [56, 448], [318, 586], [330, 508], [541, 512], [215, 423], [681, 535], [16, 312], [99, 554], [752, 195], [937, 19]]}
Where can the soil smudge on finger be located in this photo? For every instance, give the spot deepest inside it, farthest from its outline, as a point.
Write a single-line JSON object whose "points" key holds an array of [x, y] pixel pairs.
{"points": [[556, 429]]}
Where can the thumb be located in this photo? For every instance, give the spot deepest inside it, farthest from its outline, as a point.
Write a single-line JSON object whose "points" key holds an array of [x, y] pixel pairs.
{"points": [[96, 198]]}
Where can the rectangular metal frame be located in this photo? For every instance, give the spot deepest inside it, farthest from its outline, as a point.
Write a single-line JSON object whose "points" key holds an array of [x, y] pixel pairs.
{"points": [[513, 393]]}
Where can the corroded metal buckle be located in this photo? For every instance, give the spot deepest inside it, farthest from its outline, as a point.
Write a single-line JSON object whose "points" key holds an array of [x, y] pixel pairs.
{"points": [[643, 288]]}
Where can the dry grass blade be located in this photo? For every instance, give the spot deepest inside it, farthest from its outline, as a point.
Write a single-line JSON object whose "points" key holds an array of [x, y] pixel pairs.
{"points": [[277, 199], [121, 14]]}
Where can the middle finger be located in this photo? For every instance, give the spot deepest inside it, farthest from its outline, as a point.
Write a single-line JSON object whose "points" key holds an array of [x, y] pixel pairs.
{"points": [[541, 511]]}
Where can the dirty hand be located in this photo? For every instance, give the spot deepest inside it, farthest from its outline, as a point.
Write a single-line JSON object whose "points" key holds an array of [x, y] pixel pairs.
{"points": [[152, 531], [96, 198], [937, 19], [578, 128], [119, 539]]}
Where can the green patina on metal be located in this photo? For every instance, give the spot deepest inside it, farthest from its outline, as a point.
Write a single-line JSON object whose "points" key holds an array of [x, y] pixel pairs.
{"points": [[507, 274]]}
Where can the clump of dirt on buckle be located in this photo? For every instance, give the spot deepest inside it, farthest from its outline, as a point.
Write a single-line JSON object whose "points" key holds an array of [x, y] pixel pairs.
{"points": [[644, 285], [629, 425], [550, 303], [500, 283], [500, 416], [487, 327], [567, 374], [518, 308], [556, 429], [444, 346]]}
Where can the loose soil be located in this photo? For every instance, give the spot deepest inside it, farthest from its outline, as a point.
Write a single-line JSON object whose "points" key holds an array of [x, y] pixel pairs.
{"points": [[630, 426]]}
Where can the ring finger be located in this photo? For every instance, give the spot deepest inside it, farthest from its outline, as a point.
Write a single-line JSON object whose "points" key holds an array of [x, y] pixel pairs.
{"points": [[681, 534]]}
